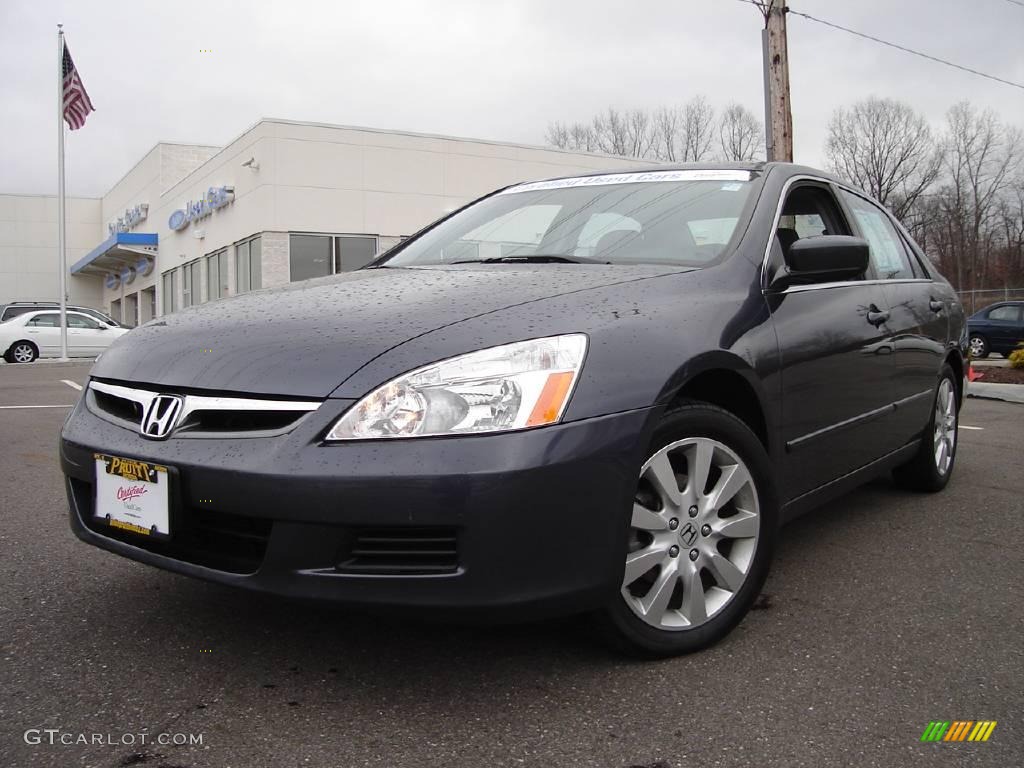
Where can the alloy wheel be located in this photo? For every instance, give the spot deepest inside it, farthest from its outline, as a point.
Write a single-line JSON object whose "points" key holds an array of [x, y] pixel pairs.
{"points": [[977, 345], [693, 534], [23, 353], [944, 439]]}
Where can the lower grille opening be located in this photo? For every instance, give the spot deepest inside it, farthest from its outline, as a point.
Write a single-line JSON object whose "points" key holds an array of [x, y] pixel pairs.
{"points": [[400, 551], [219, 540]]}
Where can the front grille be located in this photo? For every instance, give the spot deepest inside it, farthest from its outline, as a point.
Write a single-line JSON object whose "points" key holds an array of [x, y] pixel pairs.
{"points": [[219, 540], [118, 407], [202, 415], [400, 552]]}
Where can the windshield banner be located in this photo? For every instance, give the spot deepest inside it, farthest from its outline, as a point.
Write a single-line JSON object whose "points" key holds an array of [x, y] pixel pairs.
{"points": [[631, 178]]}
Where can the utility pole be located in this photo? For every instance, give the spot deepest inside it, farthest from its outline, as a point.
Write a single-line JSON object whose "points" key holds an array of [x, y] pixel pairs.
{"points": [[778, 115]]}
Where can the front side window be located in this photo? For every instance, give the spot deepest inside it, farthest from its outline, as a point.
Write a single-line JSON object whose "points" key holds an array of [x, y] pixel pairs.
{"points": [[1006, 314], [888, 255], [81, 321], [684, 218]]}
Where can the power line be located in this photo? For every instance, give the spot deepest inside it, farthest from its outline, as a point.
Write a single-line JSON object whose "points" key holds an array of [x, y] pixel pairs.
{"points": [[760, 6]]}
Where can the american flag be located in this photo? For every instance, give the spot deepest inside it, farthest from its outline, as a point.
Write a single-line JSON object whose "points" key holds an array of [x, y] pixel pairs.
{"points": [[76, 101]]}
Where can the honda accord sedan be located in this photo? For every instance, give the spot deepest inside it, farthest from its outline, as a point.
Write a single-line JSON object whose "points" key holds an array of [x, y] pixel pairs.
{"points": [[601, 394]]}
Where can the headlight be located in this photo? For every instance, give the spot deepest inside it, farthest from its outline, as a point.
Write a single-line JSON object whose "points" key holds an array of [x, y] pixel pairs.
{"points": [[525, 384]]}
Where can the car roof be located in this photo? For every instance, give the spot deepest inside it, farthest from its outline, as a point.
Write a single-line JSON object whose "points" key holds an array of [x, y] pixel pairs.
{"points": [[49, 311], [790, 169]]}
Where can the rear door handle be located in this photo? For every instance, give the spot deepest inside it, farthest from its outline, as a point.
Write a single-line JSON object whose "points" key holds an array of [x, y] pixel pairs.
{"points": [[876, 316], [936, 306]]}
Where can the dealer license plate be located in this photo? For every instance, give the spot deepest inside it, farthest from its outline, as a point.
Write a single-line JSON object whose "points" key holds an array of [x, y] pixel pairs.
{"points": [[131, 495]]}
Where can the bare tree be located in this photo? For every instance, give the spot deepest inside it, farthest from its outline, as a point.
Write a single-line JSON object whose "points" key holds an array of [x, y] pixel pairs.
{"points": [[981, 157], [667, 124], [577, 137], [740, 133], [697, 130], [885, 147], [683, 134]]}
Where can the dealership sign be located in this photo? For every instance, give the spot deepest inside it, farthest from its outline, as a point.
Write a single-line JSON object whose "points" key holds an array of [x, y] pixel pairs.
{"points": [[131, 217], [194, 210]]}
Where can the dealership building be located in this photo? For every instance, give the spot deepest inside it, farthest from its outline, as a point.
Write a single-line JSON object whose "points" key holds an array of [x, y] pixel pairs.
{"points": [[285, 201]]}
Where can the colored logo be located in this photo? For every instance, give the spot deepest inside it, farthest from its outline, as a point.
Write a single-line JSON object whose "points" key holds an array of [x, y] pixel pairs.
{"points": [[958, 730]]}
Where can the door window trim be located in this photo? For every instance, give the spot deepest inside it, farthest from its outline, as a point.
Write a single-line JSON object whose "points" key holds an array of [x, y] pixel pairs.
{"points": [[821, 286]]}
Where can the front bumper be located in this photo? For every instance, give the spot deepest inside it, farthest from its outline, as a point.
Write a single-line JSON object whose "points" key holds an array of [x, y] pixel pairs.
{"points": [[538, 518]]}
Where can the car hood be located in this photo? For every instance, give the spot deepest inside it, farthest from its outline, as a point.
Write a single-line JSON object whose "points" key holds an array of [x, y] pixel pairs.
{"points": [[304, 339]]}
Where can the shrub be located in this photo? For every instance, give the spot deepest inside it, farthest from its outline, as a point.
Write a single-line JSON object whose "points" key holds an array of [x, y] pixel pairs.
{"points": [[1017, 357]]}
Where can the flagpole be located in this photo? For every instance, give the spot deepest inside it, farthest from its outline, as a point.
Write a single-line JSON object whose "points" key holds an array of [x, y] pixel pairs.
{"points": [[62, 265]]}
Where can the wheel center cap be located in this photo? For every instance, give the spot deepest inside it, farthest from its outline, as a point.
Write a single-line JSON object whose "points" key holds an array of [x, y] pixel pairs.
{"points": [[688, 534]]}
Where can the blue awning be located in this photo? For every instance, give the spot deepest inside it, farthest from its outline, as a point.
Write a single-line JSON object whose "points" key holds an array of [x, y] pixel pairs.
{"points": [[117, 252]]}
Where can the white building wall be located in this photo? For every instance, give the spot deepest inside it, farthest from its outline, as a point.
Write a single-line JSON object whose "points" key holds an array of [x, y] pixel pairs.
{"points": [[28, 248], [162, 167]]}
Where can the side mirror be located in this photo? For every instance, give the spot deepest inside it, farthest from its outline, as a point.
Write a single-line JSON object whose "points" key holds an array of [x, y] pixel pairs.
{"points": [[824, 259]]}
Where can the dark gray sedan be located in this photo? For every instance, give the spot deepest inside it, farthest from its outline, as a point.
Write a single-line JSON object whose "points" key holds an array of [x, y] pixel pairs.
{"points": [[599, 394]]}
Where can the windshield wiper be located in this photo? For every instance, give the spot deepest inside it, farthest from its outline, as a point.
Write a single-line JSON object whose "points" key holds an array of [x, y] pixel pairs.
{"points": [[533, 258]]}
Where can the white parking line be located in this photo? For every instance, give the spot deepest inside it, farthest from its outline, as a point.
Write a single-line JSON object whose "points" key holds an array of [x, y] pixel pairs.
{"points": [[14, 407], [964, 426], [72, 384]]}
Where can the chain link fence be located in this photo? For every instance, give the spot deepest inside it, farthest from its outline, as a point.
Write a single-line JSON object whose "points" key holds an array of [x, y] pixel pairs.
{"points": [[975, 300]]}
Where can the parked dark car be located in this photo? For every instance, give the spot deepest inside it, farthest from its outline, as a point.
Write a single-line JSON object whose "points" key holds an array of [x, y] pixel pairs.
{"points": [[596, 394], [996, 328]]}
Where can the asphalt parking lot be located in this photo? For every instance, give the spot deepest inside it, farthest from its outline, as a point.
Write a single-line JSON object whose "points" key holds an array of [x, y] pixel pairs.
{"points": [[884, 611]]}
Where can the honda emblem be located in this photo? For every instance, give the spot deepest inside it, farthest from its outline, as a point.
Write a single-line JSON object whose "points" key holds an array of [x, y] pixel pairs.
{"points": [[161, 416]]}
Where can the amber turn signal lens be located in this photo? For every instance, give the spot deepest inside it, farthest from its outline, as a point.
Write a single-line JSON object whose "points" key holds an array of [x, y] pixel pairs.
{"points": [[552, 398]]}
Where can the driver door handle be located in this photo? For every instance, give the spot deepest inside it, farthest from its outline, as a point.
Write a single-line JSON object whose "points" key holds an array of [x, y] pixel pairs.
{"points": [[876, 316]]}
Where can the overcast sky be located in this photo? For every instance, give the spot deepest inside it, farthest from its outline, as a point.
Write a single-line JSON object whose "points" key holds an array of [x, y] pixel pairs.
{"points": [[476, 68]]}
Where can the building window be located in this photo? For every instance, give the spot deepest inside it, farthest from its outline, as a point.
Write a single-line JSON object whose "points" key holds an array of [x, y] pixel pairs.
{"points": [[169, 291], [248, 265], [352, 252], [217, 275], [310, 256], [190, 294], [115, 309], [321, 255]]}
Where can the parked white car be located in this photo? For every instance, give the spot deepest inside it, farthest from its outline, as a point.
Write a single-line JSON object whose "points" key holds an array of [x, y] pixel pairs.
{"points": [[37, 334]]}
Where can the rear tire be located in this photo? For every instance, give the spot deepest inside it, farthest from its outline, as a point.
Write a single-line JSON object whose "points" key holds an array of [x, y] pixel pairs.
{"points": [[931, 468], [21, 352], [701, 536], [978, 345]]}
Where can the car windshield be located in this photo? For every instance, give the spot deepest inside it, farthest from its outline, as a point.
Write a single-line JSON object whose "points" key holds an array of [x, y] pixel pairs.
{"points": [[661, 217]]}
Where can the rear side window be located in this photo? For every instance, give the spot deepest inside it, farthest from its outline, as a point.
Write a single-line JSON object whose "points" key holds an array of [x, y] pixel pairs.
{"points": [[51, 320], [888, 255]]}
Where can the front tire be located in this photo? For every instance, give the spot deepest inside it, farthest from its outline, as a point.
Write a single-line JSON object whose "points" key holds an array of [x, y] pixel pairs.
{"points": [[701, 535], [21, 352], [932, 467]]}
